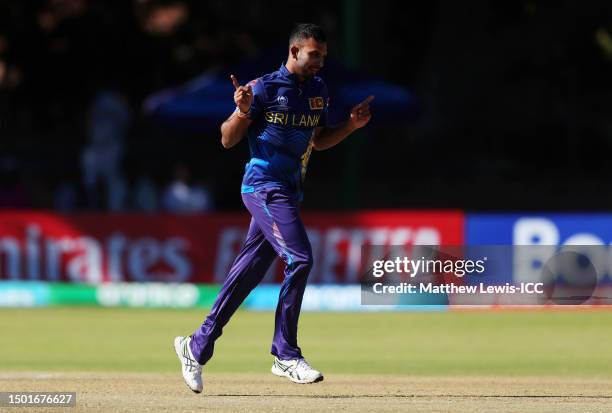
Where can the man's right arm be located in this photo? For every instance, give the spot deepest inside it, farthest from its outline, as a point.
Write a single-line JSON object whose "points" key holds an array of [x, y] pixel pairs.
{"points": [[234, 128]]}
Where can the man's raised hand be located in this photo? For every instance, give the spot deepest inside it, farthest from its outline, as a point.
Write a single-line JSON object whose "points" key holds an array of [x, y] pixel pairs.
{"points": [[360, 114], [243, 95]]}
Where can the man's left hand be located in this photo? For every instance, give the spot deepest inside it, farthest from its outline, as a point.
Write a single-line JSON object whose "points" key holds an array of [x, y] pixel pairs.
{"points": [[360, 114]]}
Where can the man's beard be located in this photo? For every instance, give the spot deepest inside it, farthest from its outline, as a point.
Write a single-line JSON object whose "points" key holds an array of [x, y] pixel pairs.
{"points": [[310, 73]]}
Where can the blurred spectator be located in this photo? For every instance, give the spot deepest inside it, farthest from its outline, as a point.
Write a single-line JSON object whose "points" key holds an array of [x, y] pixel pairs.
{"points": [[12, 190], [66, 197], [144, 194], [182, 197], [54, 12], [108, 123], [10, 73], [161, 18]]}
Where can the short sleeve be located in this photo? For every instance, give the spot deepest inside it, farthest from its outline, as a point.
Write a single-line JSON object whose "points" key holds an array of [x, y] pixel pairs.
{"points": [[258, 103]]}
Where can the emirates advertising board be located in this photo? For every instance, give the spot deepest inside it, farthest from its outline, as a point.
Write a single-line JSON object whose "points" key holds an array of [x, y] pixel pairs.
{"points": [[108, 248]]}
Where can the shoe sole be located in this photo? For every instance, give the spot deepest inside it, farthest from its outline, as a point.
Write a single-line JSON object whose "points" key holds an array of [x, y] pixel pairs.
{"points": [[177, 350], [281, 373]]}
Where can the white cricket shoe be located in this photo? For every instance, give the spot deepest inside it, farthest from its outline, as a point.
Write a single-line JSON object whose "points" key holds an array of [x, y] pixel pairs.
{"points": [[192, 370], [296, 370]]}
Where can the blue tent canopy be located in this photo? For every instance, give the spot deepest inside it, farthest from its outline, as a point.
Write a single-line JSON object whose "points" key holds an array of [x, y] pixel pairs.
{"points": [[201, 104]]}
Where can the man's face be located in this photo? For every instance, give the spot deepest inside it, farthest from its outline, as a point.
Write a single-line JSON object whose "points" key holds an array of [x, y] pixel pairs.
{"points": [[310, 57]]}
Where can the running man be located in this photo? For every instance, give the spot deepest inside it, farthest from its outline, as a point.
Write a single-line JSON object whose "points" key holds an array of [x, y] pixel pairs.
{"points": [[284, 115]]}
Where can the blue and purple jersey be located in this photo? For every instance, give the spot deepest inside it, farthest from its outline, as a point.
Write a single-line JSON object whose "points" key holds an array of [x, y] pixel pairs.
{"points": [[285, 113]]}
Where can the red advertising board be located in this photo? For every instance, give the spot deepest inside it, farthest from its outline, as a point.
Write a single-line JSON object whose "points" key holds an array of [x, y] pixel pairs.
{"points": [[97, 248]]}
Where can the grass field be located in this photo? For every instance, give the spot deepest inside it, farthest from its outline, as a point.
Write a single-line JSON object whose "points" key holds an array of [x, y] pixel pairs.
{"points": [[442, 361]]}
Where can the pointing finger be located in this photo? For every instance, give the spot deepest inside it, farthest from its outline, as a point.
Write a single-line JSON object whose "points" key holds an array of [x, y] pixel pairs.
{"points": [[235, 82], [367, 101]]}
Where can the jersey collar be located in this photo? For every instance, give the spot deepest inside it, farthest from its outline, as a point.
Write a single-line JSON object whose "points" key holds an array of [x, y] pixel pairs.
{"points": [[291, 76], [286, 73]]}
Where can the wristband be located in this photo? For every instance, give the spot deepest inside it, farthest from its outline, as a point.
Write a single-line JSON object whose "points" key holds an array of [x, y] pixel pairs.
{"points": [[242, 114]]}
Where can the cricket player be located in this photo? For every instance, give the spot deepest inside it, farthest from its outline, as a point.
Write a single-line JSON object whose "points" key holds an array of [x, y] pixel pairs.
{"points": [[284, 116]]}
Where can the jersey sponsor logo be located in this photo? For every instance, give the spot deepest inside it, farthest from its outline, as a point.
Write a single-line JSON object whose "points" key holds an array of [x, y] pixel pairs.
{"points": [[293, 119], [316, 103]]}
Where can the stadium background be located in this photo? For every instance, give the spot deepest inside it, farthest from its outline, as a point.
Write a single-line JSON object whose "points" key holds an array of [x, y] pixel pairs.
{"points": [[512, 99], [114, 194]]}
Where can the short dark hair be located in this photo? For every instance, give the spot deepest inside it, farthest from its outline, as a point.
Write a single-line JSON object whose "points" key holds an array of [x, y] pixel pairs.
{"points": [[303, 31]]}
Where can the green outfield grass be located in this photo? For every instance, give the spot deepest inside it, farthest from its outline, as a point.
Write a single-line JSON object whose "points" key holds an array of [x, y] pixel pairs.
{"points": [[562, 343]]}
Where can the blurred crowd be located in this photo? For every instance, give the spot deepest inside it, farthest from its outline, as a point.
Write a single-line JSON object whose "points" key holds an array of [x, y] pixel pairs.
{"points": [[514, 95], [73, 75]]}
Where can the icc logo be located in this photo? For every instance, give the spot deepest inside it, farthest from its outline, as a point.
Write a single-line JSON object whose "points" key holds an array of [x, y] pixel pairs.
{"points": [[282, 100]]}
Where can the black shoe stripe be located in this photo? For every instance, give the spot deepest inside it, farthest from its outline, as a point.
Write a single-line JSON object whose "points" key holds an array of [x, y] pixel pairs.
{"points": [[281, 366], [191, 363]]}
